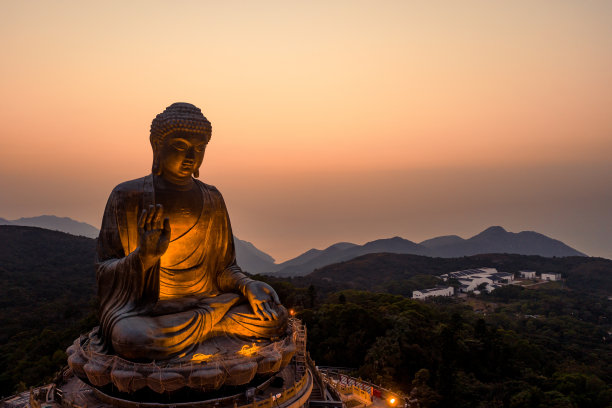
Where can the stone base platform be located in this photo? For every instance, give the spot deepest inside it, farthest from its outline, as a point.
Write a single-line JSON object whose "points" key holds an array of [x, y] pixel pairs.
{"points": [[220, 361], [293, 393], [69, 391]]}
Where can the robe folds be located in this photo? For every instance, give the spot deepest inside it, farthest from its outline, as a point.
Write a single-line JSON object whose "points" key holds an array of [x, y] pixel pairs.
{"points": [[199, 265]]}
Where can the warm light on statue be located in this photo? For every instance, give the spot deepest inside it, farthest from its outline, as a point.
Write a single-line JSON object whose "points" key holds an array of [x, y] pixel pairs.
{"points": [[169, 286], [167, 272], [247, 350], [200, 358]]}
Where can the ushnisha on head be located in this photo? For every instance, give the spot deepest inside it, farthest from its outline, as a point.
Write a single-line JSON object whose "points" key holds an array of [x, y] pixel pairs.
{"points": [[185, 123]]}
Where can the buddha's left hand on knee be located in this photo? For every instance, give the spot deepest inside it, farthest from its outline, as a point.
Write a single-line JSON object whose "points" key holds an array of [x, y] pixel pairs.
{"points": [[263, 299]]}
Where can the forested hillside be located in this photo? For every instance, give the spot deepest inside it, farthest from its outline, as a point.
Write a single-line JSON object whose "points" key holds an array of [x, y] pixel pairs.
{"points": [[46, 296], [545, 346], [517, 347], [403, 273]]}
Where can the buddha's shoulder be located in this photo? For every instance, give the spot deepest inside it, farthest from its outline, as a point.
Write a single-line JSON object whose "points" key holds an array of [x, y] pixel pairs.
{"points": [[208, 187], [130, 186], [211, 194]]}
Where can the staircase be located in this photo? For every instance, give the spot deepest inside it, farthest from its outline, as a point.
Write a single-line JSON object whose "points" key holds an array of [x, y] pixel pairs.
{"points": [[317, 393], [320, 397], [300, 353]]}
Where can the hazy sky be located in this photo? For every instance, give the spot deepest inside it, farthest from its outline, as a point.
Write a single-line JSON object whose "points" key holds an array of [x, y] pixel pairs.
{"points": [[332, 120]]}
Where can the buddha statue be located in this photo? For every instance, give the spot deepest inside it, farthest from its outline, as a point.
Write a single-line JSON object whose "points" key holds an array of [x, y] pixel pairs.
{"points": [[166, 262]]}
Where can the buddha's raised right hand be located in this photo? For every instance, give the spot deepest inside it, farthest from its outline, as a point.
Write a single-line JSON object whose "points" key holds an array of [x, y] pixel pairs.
{"points": [[153, 235]]}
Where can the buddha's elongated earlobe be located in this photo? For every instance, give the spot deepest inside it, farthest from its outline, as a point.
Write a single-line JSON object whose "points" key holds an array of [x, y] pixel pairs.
{"points": [[196, 173]]}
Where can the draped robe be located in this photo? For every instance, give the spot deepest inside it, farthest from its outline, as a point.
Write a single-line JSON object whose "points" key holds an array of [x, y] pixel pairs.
{"points": [[199, 267]]}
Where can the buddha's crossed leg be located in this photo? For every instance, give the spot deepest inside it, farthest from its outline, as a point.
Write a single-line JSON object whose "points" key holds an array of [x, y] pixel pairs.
{"points": [[160, 336]]}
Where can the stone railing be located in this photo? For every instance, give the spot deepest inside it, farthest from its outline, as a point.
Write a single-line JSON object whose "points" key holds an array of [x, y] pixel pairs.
{"points": [[355, 391], [280, 398]]}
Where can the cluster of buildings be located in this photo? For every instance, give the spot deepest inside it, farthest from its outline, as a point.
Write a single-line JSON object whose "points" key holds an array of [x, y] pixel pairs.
{"points": [[478, 280], [545, 276]]}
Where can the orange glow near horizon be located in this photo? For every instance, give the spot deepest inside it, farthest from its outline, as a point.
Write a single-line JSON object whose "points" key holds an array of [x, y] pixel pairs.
{"points": [[332, 121]]}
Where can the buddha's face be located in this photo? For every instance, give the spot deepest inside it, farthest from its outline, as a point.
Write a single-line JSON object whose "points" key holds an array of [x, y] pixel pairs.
{"points": [[181, 155]]}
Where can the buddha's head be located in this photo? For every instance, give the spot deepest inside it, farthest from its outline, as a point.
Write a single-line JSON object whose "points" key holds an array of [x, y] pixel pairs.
{"points": [[179, 136]]}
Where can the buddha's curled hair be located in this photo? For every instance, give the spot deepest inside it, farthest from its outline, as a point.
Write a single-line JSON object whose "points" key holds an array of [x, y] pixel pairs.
{"points": [[179, 116]]}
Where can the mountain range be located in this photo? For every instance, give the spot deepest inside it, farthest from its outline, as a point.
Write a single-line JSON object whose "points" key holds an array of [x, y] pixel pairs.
{"points": [[492, 240]]}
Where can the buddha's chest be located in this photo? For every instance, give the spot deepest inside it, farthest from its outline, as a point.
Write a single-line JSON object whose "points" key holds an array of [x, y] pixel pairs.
{"points": [[183, 208]]}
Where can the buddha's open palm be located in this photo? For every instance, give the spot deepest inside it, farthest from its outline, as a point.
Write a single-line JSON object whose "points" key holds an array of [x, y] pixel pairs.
{"points": [[263, 300], [153, 235]]}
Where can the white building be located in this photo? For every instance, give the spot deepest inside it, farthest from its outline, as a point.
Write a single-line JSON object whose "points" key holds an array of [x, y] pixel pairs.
{"points": [[528, 274], [471, 279], [468, 273], [437, 291], [550, 276]]}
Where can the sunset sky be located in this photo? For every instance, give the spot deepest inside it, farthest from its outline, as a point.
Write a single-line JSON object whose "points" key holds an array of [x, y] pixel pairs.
{"points": [[332, 120]]}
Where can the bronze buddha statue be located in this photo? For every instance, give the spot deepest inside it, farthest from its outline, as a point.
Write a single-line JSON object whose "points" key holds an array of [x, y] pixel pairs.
{"points": [[166, 262]]}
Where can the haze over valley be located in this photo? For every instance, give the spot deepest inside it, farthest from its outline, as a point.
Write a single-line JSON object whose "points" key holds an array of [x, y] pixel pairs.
{"points": [[251, 259]]}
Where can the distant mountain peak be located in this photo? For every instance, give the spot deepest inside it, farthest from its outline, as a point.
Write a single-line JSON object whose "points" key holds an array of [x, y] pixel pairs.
{"points": [[496, 229], [52, 222], [395, 239], [251, 258], [341, 245], [441, 241]]}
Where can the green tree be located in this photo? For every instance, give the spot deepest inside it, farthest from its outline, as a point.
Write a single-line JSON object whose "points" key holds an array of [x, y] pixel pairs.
{"points": [[422, 392]]}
